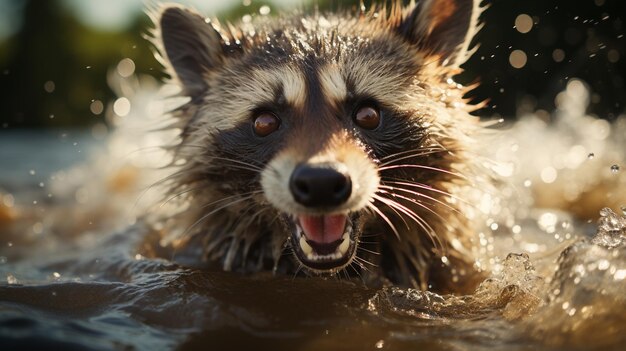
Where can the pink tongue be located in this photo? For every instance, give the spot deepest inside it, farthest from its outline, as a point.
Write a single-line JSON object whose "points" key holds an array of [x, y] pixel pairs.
{"points": [[323, 229]]}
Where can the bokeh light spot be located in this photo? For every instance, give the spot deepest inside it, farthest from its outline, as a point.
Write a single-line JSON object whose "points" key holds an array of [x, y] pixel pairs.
{"points": [[518, 59]]}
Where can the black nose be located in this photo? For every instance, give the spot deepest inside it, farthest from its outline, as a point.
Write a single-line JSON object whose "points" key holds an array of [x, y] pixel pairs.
{"points": [[319, 186]]}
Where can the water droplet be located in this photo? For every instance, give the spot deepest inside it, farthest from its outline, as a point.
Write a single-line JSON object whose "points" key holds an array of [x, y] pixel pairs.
{"points": [[591, 156], [96, 107], [122, 106], [49, 86], [126, 68], [558, 55], [518, 59], [615, 168], [549, 175], [623, 208], [264, 10]]}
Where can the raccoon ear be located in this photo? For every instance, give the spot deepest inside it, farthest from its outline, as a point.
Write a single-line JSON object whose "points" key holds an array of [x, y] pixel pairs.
{"points": [[443, 27], [192, 46]]}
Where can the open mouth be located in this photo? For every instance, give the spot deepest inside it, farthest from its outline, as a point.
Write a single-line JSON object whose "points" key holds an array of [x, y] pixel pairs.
{"points": [[325, 242]]}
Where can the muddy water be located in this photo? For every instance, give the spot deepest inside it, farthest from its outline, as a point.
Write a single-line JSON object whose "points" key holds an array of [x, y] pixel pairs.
{"points": [[74, 275], [97, 294]]}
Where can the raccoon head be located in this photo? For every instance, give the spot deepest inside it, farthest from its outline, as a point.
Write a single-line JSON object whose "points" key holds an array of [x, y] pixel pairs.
{"points": [[312, 124]]}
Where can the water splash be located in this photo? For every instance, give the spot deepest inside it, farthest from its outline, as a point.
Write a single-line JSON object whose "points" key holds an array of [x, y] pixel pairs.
{"points": [[611, 229], [585, 304]]}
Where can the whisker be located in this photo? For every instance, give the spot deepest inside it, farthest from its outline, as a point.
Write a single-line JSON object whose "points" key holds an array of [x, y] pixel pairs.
{"points": [[345, 273], [426, 187], [251, 165], [380, 213], [392, 161], [206, 216], [432, 232], [423, 167], [362, 260], [369, 251], [258, 213], [247, 195], [392, 189], [356, 271], [181, 194], [418, 220], [401, 217], [370, 235], [235, 165], [410, 151], [368, 242], [295, 275]]}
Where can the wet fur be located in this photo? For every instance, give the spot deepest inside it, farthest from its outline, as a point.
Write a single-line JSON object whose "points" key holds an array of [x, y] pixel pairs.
{"points": [[424, 158]]}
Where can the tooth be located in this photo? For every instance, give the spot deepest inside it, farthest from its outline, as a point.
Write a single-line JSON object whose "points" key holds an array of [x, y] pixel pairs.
{"points": [[343, 247], [306, 248]]}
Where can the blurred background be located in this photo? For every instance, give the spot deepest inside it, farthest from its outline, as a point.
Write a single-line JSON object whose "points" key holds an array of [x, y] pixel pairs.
{"points": [[55, 55]]}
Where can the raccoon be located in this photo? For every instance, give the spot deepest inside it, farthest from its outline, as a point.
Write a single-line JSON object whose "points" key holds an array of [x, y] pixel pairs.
{"points": [[327, 143]]}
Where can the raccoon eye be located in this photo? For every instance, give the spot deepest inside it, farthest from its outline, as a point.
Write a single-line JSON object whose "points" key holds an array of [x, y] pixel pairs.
{"points": [[367, 117], [266, 123]]}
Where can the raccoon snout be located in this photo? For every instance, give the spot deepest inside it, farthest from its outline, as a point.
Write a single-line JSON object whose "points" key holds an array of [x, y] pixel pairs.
{"points": [[315, 186]]}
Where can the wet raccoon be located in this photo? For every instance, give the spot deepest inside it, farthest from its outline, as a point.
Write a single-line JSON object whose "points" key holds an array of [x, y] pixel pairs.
{"points": [[327, 143]]}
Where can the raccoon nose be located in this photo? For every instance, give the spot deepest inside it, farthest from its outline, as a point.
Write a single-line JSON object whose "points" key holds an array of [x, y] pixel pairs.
{"points": [[319, 186]]}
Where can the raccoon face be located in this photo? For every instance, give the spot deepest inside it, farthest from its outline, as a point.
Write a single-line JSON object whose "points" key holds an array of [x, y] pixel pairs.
{"points": [[303, 117]]}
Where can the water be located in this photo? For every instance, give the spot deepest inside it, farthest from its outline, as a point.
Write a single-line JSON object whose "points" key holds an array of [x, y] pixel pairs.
{"points": [[77, 273], [95, 293]]}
